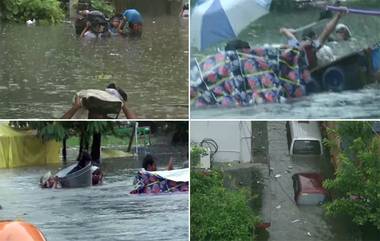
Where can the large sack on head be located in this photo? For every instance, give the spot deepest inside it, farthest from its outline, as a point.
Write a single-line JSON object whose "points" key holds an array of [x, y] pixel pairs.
{"points": [[98, 101]]}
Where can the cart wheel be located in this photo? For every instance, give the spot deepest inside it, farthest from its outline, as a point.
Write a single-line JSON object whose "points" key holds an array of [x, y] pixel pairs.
{"points": [[334, 79]]}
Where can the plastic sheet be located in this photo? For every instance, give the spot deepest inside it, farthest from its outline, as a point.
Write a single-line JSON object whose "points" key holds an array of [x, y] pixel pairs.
{"points": [[20, 148]]}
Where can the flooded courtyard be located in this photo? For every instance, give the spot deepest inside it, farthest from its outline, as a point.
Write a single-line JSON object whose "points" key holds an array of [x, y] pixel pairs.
{"points": [[42, 67]]}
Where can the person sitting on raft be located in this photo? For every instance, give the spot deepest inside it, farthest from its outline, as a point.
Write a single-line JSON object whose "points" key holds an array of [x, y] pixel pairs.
{"points": [[83, 161], [135, 23], [149, 164], [311, 45], [95, 112], [147, 182], [343, 33]]}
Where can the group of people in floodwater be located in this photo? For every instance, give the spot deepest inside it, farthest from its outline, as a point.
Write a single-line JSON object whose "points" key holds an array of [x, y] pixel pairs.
{"points": [[94, 24], [242, 76], [145, 181]]}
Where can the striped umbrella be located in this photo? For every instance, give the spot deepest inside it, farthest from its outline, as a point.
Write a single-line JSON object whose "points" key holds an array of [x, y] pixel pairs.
{"points": [[213, 21]]}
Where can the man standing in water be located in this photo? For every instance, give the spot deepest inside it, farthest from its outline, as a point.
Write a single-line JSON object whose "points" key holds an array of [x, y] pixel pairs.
{"points": [[135, 22]]}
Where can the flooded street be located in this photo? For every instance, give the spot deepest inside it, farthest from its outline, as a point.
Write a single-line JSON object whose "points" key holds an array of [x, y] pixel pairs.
{"points": [[330, 105], [291, 222], [347, 104], [105, 212], [42, 67]]}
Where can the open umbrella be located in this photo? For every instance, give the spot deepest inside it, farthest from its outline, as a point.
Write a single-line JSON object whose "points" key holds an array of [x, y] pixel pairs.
{"points": [[213, 21]]}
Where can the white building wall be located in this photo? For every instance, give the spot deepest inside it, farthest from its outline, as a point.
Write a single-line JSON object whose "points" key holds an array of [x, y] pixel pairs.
{"points": [[233, 138]]}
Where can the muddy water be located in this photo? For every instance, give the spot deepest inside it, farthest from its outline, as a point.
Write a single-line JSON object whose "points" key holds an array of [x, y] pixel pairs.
{"points": [[42, 67], [106, 212]]}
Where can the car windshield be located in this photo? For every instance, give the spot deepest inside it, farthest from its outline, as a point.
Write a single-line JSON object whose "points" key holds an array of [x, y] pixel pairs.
{"points": [[306, 147]]}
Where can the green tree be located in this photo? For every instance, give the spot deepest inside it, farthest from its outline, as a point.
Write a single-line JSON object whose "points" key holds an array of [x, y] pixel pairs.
{"points": [[218, 213], [61, 130], [103, 6], [23, 10], [355, 188]]}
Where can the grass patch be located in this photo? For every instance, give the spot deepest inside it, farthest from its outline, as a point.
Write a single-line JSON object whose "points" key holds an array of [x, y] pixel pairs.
{"points": [[218, 213]]}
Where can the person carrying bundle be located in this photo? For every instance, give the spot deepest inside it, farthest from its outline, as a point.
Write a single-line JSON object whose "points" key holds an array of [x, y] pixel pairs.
{"points": [[96, 25], [134, 22]]}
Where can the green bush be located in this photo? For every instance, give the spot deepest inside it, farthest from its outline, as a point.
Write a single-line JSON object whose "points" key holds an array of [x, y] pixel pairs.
{"points": [[195, 155], [103, 7], [23, 10], [218, 213], [355, 188]]}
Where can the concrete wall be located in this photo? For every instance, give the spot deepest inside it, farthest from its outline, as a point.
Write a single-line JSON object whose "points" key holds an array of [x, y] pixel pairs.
{"points": [[233, 138]]}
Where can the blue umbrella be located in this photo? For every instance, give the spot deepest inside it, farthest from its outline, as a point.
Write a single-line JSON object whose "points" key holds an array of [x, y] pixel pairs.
{"points": [[213, 21]]}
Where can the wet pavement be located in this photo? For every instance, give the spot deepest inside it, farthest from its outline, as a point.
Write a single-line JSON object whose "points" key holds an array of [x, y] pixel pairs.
{"points": [[289, 221], [105, 212]]}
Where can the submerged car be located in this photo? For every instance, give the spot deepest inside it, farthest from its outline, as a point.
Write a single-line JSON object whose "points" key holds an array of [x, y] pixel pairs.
{"points": [[308, 189]]}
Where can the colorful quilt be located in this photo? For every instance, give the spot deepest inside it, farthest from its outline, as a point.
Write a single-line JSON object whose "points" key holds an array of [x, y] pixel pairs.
{"points": [[161, 182], [253, 76]]}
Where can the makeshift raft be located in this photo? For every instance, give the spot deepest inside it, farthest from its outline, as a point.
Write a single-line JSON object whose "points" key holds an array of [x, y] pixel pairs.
{"points": [[161, 181], [80, 178]]}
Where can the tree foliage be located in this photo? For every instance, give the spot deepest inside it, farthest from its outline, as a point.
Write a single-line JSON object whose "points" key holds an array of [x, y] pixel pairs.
{"points": [[57, 130], [218, 213], [23, 10], [102, 6], [355, 188]]}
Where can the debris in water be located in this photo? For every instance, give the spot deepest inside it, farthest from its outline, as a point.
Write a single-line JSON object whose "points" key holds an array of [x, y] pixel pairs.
{"points": [[278, 207], [277, 176], [309, 234], [296, 221], [114, 54], [290, 167], [104, 77]]}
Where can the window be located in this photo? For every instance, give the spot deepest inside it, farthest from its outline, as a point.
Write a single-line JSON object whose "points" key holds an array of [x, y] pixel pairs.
{"points": [[305, 147]]}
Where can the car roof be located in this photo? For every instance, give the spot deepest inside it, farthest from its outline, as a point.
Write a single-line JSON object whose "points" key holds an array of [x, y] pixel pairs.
{"points": [[305, 130], [310, 183]]}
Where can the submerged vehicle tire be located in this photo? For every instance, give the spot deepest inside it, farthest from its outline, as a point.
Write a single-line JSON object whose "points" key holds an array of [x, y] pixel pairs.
{"points": [[334, 79]]}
